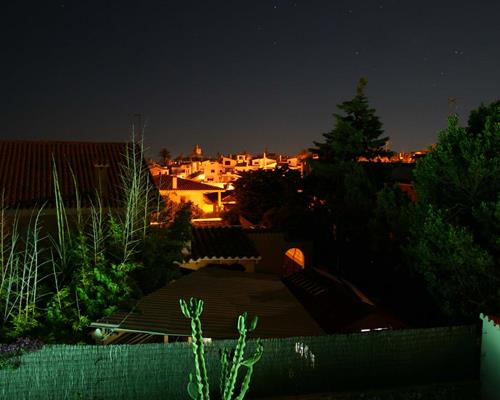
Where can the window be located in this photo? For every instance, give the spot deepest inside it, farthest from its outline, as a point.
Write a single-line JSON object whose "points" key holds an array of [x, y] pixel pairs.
{"points": [[294, 261]]}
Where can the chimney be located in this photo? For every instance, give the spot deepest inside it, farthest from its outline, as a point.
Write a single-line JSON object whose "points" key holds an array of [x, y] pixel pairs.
{"points": [[174, 182]]}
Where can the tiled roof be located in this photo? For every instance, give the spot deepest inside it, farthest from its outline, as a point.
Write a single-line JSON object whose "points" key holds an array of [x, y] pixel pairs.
{"points": [[335, 304], [226, 294], [164, 182], [26, 171], [225, 242]]}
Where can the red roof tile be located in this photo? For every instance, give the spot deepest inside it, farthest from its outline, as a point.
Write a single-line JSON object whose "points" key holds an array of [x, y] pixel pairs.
{"points": [[26, 169]]}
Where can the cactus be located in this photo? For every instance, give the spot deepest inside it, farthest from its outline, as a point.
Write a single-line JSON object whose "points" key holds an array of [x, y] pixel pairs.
{"points": [[231, 361], [225, 355], [239, 353], [193, 311], [245, 385]]}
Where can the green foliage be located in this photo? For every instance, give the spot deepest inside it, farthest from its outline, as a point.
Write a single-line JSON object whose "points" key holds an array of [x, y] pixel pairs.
{"points": [[21, 276], [454, 241], [462, 172], [100, 283], [97, 287], [341, 178], [138, 202], [357, 133], [229, 367], [62, 315], [460, 275], [480, 116], [97, 283], [55, 286], [24, 322], [62, 242], [159, 251]]}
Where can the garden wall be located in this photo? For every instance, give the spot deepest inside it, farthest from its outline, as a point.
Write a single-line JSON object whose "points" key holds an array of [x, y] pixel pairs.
{"points": [[490, 358], [288, 366]]}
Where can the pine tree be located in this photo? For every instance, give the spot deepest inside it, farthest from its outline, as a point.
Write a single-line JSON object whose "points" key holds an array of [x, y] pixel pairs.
{"points": [[357, 133], [343, 187], [455, 236]]}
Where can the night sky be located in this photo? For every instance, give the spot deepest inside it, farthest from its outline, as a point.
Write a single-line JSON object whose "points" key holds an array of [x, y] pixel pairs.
{"points": [[241, 75]]}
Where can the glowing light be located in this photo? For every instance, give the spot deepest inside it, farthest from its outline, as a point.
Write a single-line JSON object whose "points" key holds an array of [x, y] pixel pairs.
{"points": [[296, 255]]}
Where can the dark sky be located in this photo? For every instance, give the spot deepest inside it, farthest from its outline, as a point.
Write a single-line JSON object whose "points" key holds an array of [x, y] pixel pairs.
{"points": [[241, 75]]}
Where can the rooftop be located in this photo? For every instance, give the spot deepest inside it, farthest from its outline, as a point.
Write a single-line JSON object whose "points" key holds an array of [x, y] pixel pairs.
{"points": [[336, 304], [226, 294], [165, 182], [222, 242], [26, 169]]}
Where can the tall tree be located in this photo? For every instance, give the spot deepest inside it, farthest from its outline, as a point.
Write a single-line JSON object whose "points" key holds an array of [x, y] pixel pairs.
{"points": [[340, 185], [455, 236], [357, 133]]}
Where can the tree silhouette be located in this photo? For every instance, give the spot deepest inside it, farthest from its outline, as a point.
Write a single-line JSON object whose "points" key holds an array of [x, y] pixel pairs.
{"points": [[357, 133], [165, 155], [342, 187]]}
